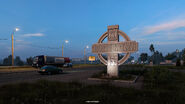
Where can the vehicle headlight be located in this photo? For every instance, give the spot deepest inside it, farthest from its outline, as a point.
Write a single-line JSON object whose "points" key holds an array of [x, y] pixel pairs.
{"points": [[43, 69]]}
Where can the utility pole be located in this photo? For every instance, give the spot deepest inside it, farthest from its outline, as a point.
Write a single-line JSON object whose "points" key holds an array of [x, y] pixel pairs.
{"points": [[66, 41], [12, 50], [84, 57], [84, 54], [12, 38], [62, 50]]}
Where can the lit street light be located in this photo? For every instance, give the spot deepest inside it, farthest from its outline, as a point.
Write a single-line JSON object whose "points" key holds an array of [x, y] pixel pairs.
{"points": [[66, 41], [84, 54], [16, 29], [12, 37]]}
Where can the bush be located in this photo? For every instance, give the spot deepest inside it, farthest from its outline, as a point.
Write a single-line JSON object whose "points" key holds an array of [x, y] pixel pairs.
{"points": [[133, 71], [157, 76], [178, 62]]}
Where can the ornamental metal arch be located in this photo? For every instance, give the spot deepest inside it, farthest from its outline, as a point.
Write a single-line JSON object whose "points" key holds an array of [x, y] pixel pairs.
{"points": [[124, 58]]}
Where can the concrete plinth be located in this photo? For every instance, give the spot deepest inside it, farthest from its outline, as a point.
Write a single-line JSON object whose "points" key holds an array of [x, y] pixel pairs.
{"points": [[112, 69]]}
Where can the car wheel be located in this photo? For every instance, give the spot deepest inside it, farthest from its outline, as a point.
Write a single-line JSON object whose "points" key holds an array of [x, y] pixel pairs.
{"points": [[49, 73]]}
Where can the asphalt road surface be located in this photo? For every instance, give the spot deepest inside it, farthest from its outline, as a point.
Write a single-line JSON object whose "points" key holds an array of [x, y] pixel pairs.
{"points": [[69, 75]]}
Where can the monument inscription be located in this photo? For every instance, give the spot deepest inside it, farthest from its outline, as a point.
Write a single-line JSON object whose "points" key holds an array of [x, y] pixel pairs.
{"points": [[113, 47]]}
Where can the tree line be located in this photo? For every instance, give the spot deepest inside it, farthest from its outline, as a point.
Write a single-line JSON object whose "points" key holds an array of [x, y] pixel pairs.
{"points": [[157, 57], [7, 61]]}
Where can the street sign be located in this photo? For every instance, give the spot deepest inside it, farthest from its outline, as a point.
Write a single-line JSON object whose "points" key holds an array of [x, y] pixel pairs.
{"points": [[92, 58]]}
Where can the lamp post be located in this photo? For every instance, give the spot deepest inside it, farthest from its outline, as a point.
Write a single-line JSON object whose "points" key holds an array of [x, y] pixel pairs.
{"points": [[177, 52], [137, 53], [12, 38], [66, 41], [84, 54]]}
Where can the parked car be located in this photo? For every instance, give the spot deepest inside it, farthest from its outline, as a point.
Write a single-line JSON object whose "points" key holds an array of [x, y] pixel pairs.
{"points": [[68, 65], [48, 69]]}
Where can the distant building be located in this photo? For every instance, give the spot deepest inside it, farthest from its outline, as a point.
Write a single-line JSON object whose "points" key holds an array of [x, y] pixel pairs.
{"points": [[77, 60], [168, 62]]}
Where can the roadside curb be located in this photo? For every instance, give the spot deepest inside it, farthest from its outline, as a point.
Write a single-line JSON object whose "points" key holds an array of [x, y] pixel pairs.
{"points": [[122, 81]]}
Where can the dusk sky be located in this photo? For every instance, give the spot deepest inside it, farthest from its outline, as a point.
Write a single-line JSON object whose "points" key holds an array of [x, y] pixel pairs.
{"points": [[46, 24]]}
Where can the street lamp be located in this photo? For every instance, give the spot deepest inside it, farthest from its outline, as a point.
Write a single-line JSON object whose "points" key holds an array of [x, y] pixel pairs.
{"points": [[137, 54], [12, 37], [84, 54], [177, 52], [66, 41]]}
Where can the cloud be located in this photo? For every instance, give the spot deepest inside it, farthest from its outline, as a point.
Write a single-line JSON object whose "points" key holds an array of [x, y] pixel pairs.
{"points": [[171, 25], [175, 35], [22, 42], [166, 26], [18, 40], [34, 35]]}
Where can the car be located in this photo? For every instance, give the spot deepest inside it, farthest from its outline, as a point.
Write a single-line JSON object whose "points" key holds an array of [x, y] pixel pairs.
{"points": [[48, 69], [68, 65]]}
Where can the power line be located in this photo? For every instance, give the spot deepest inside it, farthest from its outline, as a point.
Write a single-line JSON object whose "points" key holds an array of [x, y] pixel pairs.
{"points": [[44, 47], [39, 46], [3, 39]]}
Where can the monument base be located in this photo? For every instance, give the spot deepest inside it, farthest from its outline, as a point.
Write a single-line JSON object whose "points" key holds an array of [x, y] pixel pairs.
{"points": [[112, 70]]}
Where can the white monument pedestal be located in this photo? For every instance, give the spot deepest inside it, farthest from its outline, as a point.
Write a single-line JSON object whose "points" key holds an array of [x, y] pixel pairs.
{"points": [[112, 70]]}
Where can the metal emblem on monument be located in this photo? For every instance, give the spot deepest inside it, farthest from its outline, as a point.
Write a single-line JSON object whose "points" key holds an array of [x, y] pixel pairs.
{"points": [[113, 47]]}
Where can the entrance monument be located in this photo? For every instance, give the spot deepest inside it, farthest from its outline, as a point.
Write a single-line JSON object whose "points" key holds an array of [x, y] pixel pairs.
{"points": [[112, 48]]}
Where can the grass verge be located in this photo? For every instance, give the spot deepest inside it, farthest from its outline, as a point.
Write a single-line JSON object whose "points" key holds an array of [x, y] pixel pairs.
{"points": [[53, 92], [86, 65], [161, 86], [16, 68]]}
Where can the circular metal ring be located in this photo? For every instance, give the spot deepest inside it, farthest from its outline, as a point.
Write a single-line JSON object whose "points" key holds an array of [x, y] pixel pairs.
{"points": [[123, 59]]}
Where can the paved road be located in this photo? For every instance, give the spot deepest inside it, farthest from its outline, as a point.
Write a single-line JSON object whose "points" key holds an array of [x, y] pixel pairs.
{"points": [[68, 75], [77, 74]]}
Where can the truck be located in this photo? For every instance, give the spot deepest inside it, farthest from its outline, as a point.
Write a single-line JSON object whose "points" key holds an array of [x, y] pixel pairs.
{"points": [[42, 60]]}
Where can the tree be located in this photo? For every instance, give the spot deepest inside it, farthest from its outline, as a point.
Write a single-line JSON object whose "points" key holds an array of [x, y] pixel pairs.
{"points": [[178, 62], [130, 59], [144, 57], [29, 60], [7, 61], [161, 56], [157, 57], [18, 61], [183, 57], [170, 56], [152, 49], [120, 56]]}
